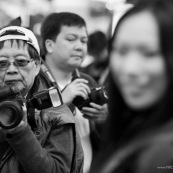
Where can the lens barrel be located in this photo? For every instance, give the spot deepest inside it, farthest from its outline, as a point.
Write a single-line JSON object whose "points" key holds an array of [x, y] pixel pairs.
{"points": [[11, 114]]}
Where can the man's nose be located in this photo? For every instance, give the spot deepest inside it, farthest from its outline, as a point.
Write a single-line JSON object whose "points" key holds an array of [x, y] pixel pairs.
{"points": [[79, 45], [12, 69]]}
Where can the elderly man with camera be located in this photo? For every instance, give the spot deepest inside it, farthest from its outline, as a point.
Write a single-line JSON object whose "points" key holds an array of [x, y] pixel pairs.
{"points": [[37, 131]]}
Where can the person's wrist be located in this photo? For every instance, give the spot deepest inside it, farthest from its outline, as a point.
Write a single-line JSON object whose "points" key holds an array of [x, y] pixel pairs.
{"points": [[16, 130]]}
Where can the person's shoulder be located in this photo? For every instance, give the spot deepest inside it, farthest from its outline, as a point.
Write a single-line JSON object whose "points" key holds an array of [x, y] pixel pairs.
{"points": [[89, 78], [58, 116], [150, 152], [157, 155], [86, 76]]}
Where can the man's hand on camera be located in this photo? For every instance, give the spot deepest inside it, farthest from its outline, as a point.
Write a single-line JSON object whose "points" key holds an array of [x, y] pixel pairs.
{"points": [[78, 87], [96, 112], [21, 125]]}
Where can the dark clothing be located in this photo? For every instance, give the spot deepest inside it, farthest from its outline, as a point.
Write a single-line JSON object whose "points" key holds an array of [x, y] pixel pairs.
{"points": [[151, 152], [52, 146], [95, 128], [95, 69]]}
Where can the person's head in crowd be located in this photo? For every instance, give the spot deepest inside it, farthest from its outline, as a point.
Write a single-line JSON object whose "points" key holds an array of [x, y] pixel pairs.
{"points": [[19, 57], [68, 32], [141, 74], [141, 61], [97, 46]]}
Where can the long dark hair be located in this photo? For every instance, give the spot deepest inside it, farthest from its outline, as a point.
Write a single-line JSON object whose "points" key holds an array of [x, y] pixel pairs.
{"points": [[123, 123]]}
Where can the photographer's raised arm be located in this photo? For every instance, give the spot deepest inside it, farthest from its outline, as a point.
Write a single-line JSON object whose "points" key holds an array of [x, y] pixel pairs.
{"points": [[37, 155]]}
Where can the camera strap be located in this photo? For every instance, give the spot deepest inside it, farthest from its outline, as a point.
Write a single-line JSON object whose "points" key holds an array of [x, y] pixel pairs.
{"points": [[31, 110]]}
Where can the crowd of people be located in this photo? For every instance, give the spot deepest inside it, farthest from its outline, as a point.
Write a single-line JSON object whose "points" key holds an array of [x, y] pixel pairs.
{"points": [[52, 120]]}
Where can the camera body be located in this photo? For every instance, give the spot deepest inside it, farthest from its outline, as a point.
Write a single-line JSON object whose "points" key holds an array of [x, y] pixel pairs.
{"points": [[46, 98], [98, 95], [11, 111]]}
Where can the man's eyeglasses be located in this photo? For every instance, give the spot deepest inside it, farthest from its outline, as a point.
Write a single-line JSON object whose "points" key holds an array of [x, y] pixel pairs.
{"points": [[17, 63]]}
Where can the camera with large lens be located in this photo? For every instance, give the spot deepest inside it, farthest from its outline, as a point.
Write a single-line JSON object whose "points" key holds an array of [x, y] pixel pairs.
{"points": [[11, 111], [10, 106], [11, 99], [98, 95]]}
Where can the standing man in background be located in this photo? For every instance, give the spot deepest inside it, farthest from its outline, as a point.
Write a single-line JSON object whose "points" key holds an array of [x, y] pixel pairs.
{"points": [[64, 42]]}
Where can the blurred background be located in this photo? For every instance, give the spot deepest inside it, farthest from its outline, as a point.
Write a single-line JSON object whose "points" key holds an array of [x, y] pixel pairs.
{"points": [[99, 14], [101, 17]]}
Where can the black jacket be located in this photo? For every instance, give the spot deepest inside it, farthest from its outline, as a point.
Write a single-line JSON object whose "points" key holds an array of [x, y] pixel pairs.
{"points": [[49, 144]]}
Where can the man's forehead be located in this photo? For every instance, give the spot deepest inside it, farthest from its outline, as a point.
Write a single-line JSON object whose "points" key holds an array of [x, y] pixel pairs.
{"points": [[13, 48], [74, 29]]}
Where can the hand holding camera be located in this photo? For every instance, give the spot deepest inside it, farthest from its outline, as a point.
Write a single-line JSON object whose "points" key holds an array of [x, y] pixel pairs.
{"points": [[95, 112], [96, 95], [8, 120], [94, 105], [76, 88]]}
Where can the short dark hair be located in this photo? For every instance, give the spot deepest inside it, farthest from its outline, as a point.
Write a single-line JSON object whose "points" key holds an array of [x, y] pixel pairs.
{"points": [[97, 42], [32, 52], [52, 24]]}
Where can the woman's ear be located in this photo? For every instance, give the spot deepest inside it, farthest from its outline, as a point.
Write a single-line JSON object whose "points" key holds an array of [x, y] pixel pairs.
{"points": [[49, 45]]}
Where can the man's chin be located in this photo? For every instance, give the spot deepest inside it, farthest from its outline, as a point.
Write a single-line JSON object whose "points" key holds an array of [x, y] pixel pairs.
{"points": [[19, 85]]}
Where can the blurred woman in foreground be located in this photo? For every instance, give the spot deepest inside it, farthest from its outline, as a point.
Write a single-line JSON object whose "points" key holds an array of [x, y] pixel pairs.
{"points": [[139, 135]]}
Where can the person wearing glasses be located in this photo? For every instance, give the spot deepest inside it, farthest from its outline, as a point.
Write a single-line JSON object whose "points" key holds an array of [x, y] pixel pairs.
{"points": [[44, 140], [139, 135], [64, 42]]}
